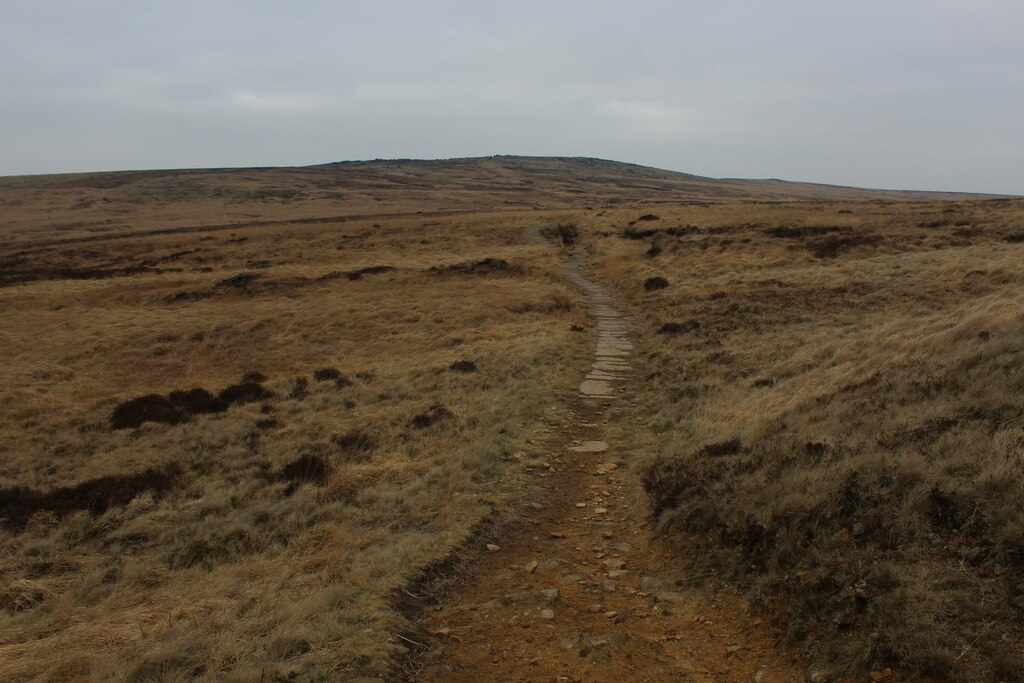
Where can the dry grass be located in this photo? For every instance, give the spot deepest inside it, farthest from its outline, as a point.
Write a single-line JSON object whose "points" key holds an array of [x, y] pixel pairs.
{"points": [[288, 514], [836, 423], [334, 362], [89, 206]]}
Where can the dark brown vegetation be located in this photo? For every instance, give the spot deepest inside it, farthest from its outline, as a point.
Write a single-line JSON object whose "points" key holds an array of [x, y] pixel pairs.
{"points": [[567, 233], [197, 401], [487, 266], [245, 392], [148, 408], [18, 504], [328, 375], [653, 284], [369, 270], [355, 445], [463, 366], [679, 328], [254, 376], [634, 234], [178, 405], [299, 389], [307, 469], [431, 416]]}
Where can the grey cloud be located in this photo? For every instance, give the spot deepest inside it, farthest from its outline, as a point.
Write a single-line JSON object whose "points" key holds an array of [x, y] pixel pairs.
{"points": [[911, 95]]}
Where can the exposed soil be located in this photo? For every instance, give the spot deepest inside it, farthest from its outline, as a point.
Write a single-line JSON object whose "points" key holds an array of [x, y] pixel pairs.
{"points": [[254, 376], [149, 408], [679, 328], [370, 270], [487, 266], [197, 401], [240, 281], [246, 392], [634, 234], [652, 284], [585, 594], [577, 589], [19, 503], [11, 276]]}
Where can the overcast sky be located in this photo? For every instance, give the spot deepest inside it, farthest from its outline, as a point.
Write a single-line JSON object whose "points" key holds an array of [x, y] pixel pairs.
{"points": [[907, 94]]}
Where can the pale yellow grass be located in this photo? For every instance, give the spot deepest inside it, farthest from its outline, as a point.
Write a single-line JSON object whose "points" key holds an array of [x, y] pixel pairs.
{"points": [[228, 576], [119, 285]]}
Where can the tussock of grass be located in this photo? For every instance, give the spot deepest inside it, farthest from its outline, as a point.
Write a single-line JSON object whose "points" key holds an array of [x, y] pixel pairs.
{"points": [[431, 416], [564, 233], [328, 374], [307, 469], [355, 445], [653, 284], [463, 366]]}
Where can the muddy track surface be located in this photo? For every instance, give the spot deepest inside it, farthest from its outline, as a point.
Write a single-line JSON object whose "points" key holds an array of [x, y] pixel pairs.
{"points": [[577, 589]]}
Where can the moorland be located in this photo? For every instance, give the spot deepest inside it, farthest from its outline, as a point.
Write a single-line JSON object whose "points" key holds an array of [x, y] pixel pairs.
{"points": [[243, 410]]}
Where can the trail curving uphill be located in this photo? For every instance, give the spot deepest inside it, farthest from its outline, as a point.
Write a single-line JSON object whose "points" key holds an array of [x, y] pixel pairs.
{"points": [[579, 590], [611, 366]]}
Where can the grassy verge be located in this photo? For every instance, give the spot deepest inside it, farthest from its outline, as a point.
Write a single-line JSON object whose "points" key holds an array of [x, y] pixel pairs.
{"points": [[221, 454], [833, 418]]}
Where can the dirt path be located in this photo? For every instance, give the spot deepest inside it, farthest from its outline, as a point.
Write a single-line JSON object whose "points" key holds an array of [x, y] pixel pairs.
{"points": [[577, 590]]}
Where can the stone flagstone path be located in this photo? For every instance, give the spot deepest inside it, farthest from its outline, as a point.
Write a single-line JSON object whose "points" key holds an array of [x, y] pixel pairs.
{"points": [[574, 588], [613, 347]]}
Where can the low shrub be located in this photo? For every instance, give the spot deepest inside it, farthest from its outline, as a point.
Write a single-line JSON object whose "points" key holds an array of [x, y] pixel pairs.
{"points": [[355, 445], [431, 416], [148, 408], [463, 366], [306, 469], [679, 328], [246, 392], [197, 401], [652, 284]]}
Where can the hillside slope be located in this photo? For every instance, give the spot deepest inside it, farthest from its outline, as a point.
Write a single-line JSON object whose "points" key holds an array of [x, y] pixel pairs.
{"points": [[831, 419], [75, 205]]}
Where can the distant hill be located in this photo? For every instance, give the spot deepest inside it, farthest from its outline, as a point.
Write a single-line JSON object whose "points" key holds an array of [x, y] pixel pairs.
{"points": [[175, 199], [577, 180]]}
